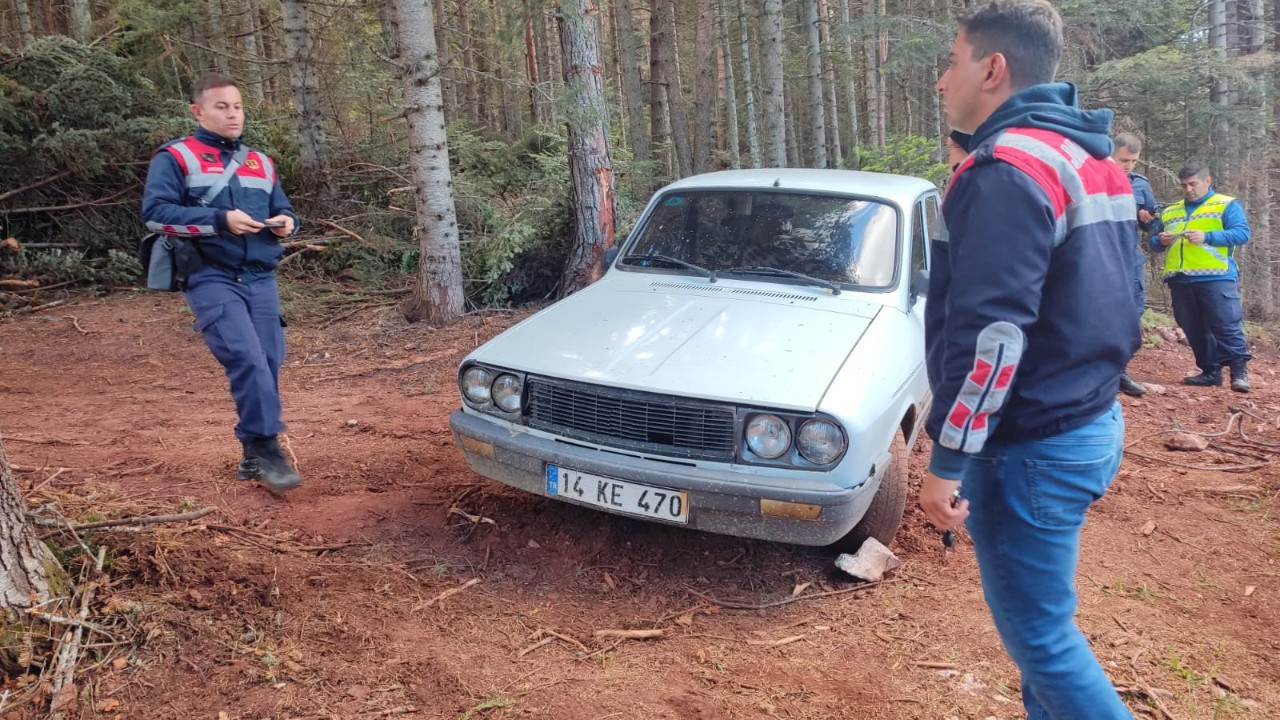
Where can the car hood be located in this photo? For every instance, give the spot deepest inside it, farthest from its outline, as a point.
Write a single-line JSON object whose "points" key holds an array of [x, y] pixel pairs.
{"points": [[734, 346]]}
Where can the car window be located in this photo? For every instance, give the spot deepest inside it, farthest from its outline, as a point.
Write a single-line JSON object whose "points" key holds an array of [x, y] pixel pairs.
{"points": [[919, 246], [839, 239]]}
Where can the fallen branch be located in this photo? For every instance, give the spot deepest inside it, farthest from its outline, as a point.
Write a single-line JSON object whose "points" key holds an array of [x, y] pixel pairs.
{"points": [[1231, 490], [339, 228], [38, 308], [17, 284], [777, 643], [69, 651], [73, 206], [34, 185], [630, 634], [730, 605], [74, 622], [133, 521], [543, 642], [1210, 468], [43, 441], [935, 665], [449, 593], [43, 288]]}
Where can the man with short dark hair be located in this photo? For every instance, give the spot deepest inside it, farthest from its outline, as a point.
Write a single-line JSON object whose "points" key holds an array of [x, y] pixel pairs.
{"points": [[1029, 324], [236, 235], [1200, 235], [1128, 150]]}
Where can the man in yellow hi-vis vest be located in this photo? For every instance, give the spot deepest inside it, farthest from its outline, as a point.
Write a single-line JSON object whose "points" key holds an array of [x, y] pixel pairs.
{"points": [[1199, 236]]}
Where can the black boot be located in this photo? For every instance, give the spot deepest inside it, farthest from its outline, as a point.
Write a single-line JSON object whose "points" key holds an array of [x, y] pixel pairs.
{"points": [[274, 469], [248, 469], [1240, 378], [1206, 378], [1132, 387]]}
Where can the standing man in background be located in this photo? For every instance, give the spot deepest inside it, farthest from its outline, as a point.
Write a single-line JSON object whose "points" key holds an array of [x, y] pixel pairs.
{"points": [[1028, 327], [236, 235], [1201, 232], [1128, 149]]}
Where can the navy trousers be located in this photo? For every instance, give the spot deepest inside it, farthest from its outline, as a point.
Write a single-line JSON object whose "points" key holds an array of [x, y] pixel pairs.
{"points": [[1209, 312], [1139, 280], [241, 323]]}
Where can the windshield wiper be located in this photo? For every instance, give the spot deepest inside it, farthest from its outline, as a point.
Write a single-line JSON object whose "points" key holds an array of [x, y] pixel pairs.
{"points": [[762, 270], [674, 261]]}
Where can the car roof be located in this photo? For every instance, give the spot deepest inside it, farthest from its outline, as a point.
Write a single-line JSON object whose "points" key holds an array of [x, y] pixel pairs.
{"points": [[901, 189]]}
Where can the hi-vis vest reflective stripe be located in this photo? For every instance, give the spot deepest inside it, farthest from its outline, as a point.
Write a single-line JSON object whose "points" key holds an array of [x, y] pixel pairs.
{"points": [[1186, 257], [202, 166]]}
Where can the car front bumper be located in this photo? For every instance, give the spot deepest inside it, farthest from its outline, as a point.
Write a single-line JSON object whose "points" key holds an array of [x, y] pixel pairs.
{"points": [[720, 501]]}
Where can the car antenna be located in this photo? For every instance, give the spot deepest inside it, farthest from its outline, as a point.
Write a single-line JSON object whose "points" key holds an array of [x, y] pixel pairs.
{"points": [[777, 182]]}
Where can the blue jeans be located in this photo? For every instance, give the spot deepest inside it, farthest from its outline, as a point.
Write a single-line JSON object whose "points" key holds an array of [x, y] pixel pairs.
{"points": [[1209, 312], [1027, 502], [243, 328]]}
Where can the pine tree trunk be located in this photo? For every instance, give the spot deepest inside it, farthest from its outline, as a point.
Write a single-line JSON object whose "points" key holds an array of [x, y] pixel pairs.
{"points": [[531, 66], [470, 82], [854, 138], [666, 45], [589, 162], [882, 90], [817, 107], [835, 153], [24, 23], [448, 74], [775, 126], [633, 90], [704, 88], [248, 21], [305, 89], [659, 118], [732, 146], [791, 131], [546, 75], [749, 93], [218, 36], [272, 84], [437, 295], [875, 128], [27, 568], [81, 20]]}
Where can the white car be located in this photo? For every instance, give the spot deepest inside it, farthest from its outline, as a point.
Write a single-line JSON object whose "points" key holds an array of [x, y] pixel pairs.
{"points": [[751, 363]]}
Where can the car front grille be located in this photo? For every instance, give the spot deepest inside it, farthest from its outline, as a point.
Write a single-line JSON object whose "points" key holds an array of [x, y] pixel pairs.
{"points": [[661, 424]]}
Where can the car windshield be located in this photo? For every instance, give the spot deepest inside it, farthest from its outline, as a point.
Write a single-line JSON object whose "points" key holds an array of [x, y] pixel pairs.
{"points": [[837, 239]]}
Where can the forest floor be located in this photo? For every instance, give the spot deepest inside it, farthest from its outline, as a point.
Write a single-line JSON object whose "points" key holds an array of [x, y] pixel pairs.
{"points": [[323, 603]]}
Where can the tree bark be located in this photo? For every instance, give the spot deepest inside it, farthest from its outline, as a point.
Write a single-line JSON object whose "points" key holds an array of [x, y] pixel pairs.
{"points": [[531, 65], [248, 21], [273, 83], [470, 83], [854, 137], [732, 146], [704, 87], [749, 93], [448, 74], [218, 36], [835, 152], [81, 20], [665, 45], [882, 90], [24, 23], [27, 568], [633, 89], [817, 106], [774, 107], [589, 162], [437, 294], [304, 87]]}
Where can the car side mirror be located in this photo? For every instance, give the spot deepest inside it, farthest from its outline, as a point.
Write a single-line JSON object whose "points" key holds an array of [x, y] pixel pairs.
{"points": [[919, 284], [610, 255]]}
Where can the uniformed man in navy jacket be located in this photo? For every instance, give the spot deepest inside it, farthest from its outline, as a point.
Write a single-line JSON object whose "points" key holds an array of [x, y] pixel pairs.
{"points": [[1128, 150], [232, 292]]}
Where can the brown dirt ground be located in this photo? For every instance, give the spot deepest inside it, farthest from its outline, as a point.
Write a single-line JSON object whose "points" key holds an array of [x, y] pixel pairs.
{"points": [[318, 605]]}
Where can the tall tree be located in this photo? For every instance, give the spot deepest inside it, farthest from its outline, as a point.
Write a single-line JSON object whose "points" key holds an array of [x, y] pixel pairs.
{"points": [[817, 107], [775, 145], [218, 35], [81, 20], [659, 118], [249, 34], [834, 150], [748, 89], [531, 64], [664, 44], [304, 87], [25, 34], [704, 88], [470, 82], [589, 162], [437, 294], [730, 91], [633, 91], [846, 31], [27, 568]]}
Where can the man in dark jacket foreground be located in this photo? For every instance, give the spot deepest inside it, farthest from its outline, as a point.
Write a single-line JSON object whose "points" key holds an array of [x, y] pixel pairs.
{"points": [[1030, 323], [232, 291]]}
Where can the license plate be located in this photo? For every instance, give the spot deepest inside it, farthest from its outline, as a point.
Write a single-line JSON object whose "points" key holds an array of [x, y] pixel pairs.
{"points": [[618, 495]]}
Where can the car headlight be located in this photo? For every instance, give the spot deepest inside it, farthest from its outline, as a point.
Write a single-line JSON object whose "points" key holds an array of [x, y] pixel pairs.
{"points": [[476, 383], [768, 436], [820, 441], [506, 392]]}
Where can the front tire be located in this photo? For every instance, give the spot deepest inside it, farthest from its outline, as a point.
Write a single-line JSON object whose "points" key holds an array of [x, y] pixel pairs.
{"points": [[884, 515]]}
